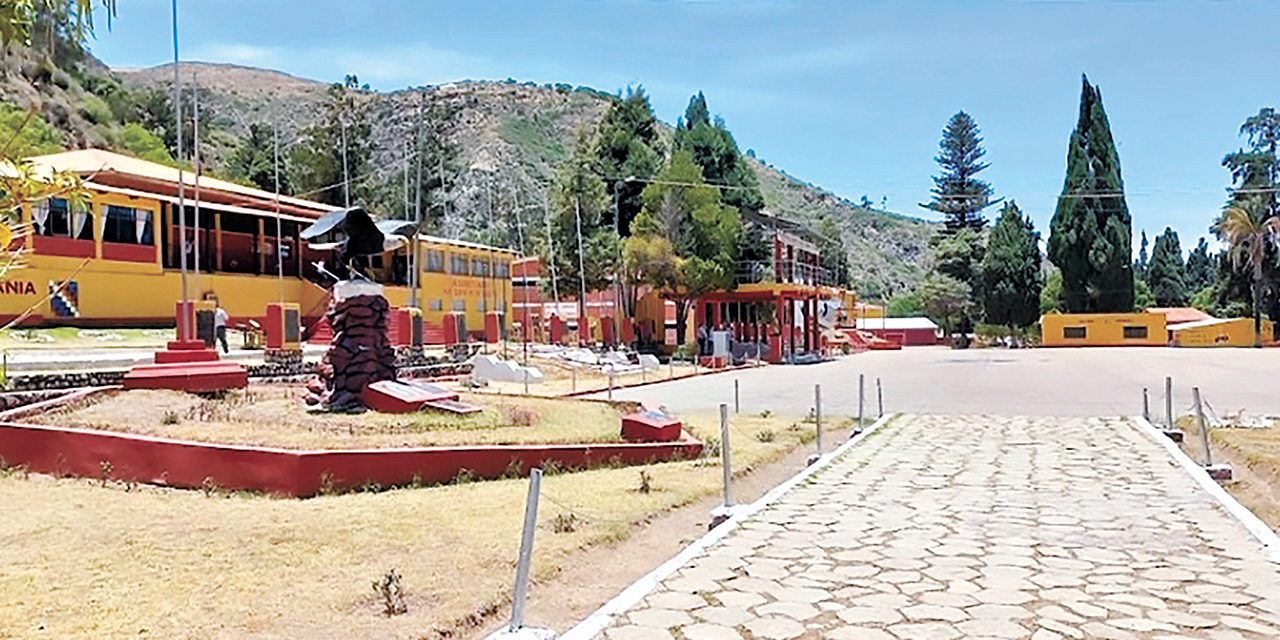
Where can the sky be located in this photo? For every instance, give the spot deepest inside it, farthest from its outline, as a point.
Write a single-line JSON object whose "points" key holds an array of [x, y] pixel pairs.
{"points": [[850, 96]]}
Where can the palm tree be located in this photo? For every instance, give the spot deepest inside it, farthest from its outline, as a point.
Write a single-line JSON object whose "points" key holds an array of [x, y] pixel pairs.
{"points": [[1247, 229]]}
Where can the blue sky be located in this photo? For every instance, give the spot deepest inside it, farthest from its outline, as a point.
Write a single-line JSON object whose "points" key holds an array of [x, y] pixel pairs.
{"points": [[851, 96]]}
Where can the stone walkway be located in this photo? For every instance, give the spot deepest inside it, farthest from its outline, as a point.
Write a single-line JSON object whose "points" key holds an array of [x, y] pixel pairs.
{"points": [[979, 527]]}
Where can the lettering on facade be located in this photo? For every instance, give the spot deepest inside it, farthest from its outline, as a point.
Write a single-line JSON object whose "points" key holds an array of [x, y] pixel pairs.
{"points": [[17, 288]]}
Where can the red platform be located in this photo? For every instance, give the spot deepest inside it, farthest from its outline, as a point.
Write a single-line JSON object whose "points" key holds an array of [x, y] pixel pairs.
{"points": [[650, 424], [408, 396], [188, 366]]}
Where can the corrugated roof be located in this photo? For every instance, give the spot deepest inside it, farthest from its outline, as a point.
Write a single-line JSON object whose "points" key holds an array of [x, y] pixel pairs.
{"points": [[1176, 315], [93, 162]]}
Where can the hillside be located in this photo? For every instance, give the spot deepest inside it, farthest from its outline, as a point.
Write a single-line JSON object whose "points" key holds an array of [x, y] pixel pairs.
{"points": [[509, 140]]}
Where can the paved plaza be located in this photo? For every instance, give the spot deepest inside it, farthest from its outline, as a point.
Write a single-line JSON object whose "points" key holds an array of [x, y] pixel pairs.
{"points": [[936, 528], [1038, 382]]}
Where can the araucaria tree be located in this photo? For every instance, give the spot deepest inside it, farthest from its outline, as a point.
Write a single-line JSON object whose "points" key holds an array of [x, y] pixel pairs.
{"points": [[957, 193], [1011, 271], [1167, 273], [684, 242], [1090, 237]]}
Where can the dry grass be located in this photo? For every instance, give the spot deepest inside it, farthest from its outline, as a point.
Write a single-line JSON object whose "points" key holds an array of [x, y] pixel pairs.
{"points": [[85, 561], [1254, 455], [271, 415]]}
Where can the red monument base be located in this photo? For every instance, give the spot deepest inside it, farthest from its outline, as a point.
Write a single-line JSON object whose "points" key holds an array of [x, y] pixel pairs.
{"points": [[188, 365]]}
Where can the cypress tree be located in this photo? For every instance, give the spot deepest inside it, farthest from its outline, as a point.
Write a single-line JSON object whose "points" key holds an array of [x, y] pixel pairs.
{"points": [[1144, 260], [957, 193], [1011, 270], [630, 153], [1166, 274], [1200, 267], [1090, 237]]}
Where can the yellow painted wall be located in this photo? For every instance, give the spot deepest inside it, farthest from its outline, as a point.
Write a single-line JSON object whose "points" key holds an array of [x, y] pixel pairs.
{"points": [[442, 290], [1101, 329], [1234, 332]]}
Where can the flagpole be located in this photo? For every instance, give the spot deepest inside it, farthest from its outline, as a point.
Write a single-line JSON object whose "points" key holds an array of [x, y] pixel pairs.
{"points": [[184, 323]]}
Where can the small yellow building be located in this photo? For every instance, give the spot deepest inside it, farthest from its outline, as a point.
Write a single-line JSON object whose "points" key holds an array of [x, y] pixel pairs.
{"points": [[1102, 330], [1215, 332]]}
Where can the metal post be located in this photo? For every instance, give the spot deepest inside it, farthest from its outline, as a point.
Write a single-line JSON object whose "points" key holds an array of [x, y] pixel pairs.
{"points": [[817, 413], [737, 405], [610, 383], [1168, 402], [526, 376], [726, 459], [879, 399], [1204, 428], [573, 373], [861, 397], [671, 368], [1146, 405], [526, 549]]}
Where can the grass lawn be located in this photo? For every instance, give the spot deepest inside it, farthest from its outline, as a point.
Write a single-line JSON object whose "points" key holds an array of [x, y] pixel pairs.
{"points": [[75, 338], [273, 415], [82, 560]]}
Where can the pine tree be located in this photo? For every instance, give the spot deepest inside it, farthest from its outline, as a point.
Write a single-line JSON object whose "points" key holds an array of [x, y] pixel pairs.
{"points": [[1144, 260], [1200, 267], [1011, 270], [629, 152], [958, 194], [1090, 237], [1166, 276]]}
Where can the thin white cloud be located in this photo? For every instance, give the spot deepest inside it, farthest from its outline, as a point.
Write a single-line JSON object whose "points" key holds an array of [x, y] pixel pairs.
{"points": [[237, 53], [412, 64]]}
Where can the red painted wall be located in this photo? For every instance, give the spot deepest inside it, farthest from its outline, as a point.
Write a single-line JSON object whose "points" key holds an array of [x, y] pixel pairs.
{"points": [[78, 452]]}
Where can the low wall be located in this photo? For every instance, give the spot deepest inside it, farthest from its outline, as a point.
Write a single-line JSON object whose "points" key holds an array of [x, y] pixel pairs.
{"points": [[128, 457]]}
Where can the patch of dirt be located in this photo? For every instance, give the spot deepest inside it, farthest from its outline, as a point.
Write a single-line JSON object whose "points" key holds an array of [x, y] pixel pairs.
{"points": [[594, 576]]}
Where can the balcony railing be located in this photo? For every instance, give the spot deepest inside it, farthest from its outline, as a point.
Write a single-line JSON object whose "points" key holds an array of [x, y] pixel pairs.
{"points": [[787, 271]]}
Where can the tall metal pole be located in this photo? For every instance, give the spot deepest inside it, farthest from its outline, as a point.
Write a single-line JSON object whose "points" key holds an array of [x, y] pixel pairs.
{"points": [[184, 323], [551, 251], [195, 155], [275, 134], [582, 271], [526, 549], [346, 178], [416, 277], [861, 398]]}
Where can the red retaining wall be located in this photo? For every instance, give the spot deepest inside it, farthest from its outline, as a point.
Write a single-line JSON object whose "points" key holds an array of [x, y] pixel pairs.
{"points": [[178, 463]]}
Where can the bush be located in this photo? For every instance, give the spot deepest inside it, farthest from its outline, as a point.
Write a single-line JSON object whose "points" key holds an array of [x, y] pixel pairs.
{"points": [[95, 110]]}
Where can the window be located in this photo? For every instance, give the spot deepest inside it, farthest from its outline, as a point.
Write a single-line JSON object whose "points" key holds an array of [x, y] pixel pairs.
{"points": [[502, 269], [1135, 333], [459, 304], [54, 217], [126, 225], [1073, 333], [480, 267], [436, 305], [435, 261], [459, 266]]}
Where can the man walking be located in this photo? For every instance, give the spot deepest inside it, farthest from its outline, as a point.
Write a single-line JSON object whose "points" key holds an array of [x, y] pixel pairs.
{"points": [[220, 318]]}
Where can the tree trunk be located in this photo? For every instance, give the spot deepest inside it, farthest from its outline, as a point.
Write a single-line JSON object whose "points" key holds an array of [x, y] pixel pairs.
{"points": [[1257, 315], [682, 319]]}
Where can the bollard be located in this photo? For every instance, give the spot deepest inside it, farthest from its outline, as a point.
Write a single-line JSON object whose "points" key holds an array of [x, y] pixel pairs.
{"points": [[817, 413], [1146, 406], [1168, 402], [611, 383], [879, 399], [861, 397], [726, 457], [1204, 431], [737, 407], [526, 550], [573, 373]]}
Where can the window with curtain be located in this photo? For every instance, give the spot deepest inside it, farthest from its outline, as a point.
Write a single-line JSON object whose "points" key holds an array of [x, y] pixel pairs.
{"points": [[58, 217], [435, 261], [126, 225], [460, 266]]}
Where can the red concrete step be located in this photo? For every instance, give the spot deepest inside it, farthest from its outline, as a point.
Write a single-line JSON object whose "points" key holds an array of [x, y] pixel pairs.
{"points": [[321, 332], [195, 377]]}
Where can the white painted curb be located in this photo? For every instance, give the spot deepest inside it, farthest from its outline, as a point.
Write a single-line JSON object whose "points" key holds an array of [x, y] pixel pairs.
{"points": [[1259, 529], [597, 622]]}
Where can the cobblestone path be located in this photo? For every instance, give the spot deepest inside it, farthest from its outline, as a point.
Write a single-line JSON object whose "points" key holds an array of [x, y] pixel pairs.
{"points": [[979, 527]]}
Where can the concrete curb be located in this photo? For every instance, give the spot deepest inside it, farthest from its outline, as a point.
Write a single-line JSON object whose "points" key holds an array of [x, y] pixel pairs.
{"points": [[1259, 529], [598, 621], [645, 383]]}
